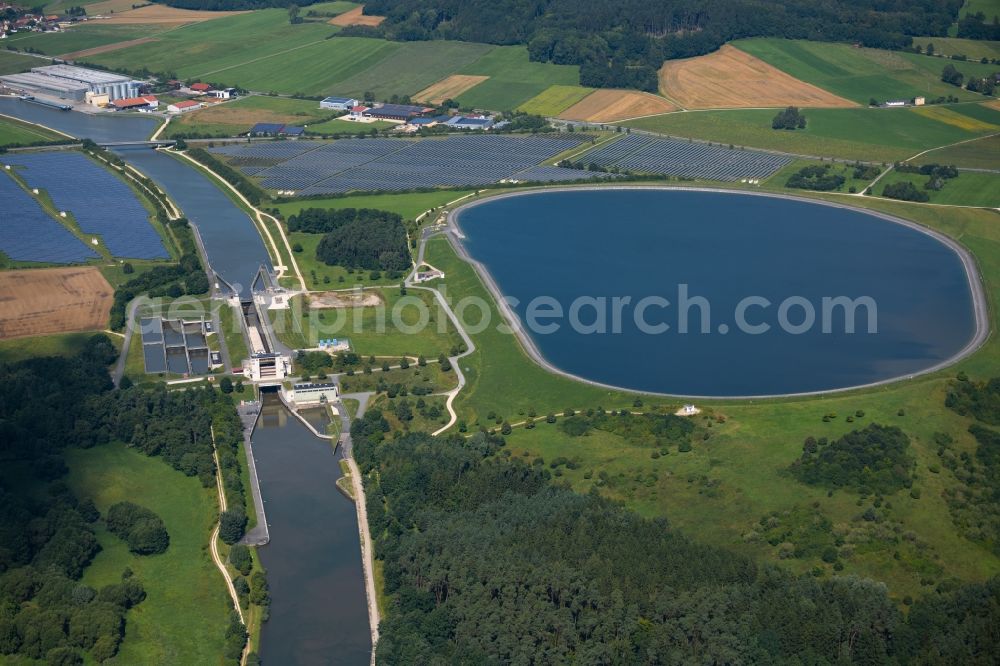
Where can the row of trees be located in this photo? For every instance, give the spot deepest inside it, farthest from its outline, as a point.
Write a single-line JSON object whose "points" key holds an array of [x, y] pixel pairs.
{"points": [[486, 560], [815, 177], [325, 220]]}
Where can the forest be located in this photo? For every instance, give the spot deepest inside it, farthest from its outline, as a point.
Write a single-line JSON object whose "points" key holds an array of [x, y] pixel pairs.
{"points": [[370, 242], [47, 536], [875, 458], [487, 560]]}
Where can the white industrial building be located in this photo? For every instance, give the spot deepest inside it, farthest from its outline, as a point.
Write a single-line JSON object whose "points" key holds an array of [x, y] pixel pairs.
{"points": [[267, 368], [72, 83], [311, 394], [338, 103]]}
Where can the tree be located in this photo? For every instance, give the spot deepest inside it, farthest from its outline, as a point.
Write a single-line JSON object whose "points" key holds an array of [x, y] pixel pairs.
{"points": [[239, 557], [127, 268], [293, 14], [232, 525], [226, 385], [789, 119], [951, 75]]}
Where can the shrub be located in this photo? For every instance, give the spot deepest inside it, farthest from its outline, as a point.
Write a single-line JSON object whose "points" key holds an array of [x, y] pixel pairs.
{"points": [[139, 527]]}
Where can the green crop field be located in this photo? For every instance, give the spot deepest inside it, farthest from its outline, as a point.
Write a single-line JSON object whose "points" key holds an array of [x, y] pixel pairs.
{"points": [[15, 132], [84, 36], [184, 617], [337, 127], [861, 74], [979, 154], [13, 63], [971, 188], [949, 46], [513, 79], [864, 134], [555, 100]]}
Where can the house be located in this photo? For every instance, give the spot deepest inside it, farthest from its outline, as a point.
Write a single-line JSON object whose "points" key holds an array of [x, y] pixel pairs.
{"points": [[919, 101], [200, 87], [183, 107], [136, 103], [224, 93], [396, 112], [358, 111], [338, 103]]}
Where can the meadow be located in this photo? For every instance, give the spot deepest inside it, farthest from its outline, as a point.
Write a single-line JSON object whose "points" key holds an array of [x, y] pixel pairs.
{"points": [[84, 36], [58, 344], [15, 132], [971, 188], [232, 118], [950, 46], [409, 205], [978, 154], [186, 611], [861, 74], [513, 79], [338, 127], [13, 63], [863, 134]]}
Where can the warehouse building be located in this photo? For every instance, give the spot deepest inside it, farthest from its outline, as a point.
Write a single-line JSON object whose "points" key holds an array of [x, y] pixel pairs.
{"points": [[338, 103], [397, 112], [72, 83]]}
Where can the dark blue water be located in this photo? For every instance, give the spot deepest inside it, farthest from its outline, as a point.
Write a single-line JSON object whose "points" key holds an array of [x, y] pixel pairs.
{"points": [[725, 247], [313, 562], [98, 127]]}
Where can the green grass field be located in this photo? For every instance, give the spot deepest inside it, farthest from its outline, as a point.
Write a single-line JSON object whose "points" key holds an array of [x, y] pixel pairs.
{"points": [[979, 154], [971, 188], [780, 177], [234, 118], [338, 127], [184, 617], [861, 74], [409, 205], [864, 134], [329, 277], [84, 36], [13, 63], [374, 331], [59, 344], [949, 46], [555, 100], [513, 79], [14, 132]]}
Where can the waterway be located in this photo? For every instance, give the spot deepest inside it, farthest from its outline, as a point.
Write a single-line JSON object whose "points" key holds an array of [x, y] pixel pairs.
{"points": [[724, 247], [232, 242], [313, 560]]}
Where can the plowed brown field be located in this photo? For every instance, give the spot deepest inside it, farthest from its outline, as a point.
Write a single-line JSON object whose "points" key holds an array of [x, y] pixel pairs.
{"points": [[606, 106], [53, 300]]}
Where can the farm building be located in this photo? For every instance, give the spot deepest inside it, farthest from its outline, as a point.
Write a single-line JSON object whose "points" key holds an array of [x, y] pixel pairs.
{"points": [[223, 93], [397, 112], [465, 122], [358, 111], [276, 129], [183, 107], [72, 83], [136, 103], [200, 87], [338, 103]]}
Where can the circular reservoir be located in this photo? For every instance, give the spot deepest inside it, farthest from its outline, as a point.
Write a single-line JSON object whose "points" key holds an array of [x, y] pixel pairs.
{"points": [[716, 294]]}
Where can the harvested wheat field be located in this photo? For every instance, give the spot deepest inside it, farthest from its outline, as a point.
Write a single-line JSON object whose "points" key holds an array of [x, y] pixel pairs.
{"points": [[355, 17], [606, 106], [448, 88], [53, 300], [97, 50], [732, 79], [163, 15]]}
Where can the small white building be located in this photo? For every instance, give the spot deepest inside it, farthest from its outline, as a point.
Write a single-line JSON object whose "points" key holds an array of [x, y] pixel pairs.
{"points": [[225, 93], [311, 394], [338, 103], [183, 107]]}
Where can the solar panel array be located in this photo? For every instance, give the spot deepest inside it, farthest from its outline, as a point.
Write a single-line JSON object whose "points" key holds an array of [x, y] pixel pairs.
{"points": [[310, 167], [27, 233], [671, 157], [101, 203], [552, 174]]}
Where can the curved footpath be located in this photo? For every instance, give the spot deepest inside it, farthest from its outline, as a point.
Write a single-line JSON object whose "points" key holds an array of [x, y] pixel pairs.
{"points": [[981, 309]]}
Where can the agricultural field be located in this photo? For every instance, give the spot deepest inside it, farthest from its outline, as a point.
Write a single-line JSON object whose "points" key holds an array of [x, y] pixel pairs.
{"points": [[977, 154], [555, 100], [513, 79], [356, 17], [854, 134], [14, 63], [232, 118], [53, 300], [14, 132], [950, 46], [860, 74], [162, 15], [968, 117], [731, 78], [340, 127], [971, 188], [184, 617], [449, 87], [82, 37], [606, 106]]}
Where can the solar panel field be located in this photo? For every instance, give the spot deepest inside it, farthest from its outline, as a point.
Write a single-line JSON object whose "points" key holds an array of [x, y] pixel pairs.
{"points": [[670, 157], [311, 168], [101, 203], [29, 234]]}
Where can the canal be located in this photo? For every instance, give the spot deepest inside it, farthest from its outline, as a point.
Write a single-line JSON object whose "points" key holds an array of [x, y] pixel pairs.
{"points": [[313, 560]]}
